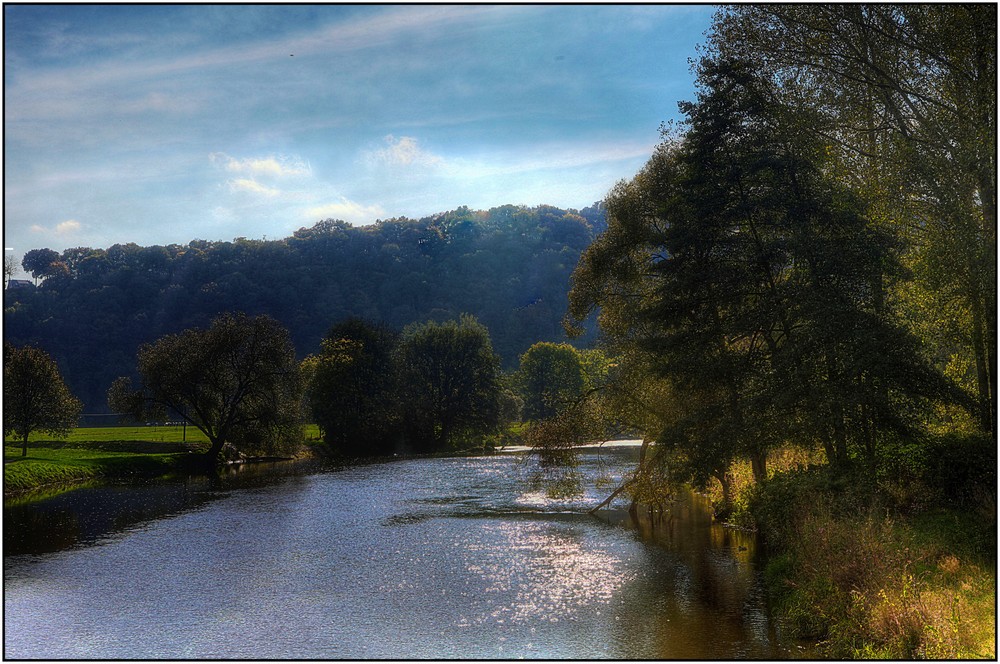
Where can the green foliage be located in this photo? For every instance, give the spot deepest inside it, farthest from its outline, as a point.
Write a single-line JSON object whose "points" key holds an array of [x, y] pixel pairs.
{"points": [[550, 377], [904, 100], [35, 398], [237, 382], [353, 389], [450, 384], [508, 266], [437, 387], [739, 270], [39, 262]]}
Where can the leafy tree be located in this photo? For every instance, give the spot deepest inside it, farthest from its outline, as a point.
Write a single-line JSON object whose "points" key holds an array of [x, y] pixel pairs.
{"points": [[38, 262], [736, 268], [352, 389], [34, 395], [451, 383], [904, 98], [551, 376], [237, 382]]}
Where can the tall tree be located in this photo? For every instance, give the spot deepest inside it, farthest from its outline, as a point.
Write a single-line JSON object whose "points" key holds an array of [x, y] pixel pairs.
{"points": [[236, 381], [35, 398], [905, 97], [451, 383], [744, 273], [353, 386], [550, 376]]}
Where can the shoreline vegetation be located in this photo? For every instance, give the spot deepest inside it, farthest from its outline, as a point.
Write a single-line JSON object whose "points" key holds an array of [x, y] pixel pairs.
{"points": [[902, 567]]}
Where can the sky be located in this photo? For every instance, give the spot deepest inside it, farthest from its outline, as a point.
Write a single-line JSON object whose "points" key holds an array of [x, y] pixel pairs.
{"points": [[161, 124]]}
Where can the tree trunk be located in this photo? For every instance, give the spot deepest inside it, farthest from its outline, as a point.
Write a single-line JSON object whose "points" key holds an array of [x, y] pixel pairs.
{"points": [[24, 447], [758, 463], [727, 487], [987, 409], [213, 452]]}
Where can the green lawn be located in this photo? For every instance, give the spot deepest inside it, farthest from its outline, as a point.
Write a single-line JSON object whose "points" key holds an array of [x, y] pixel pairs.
{"points": [[69, 463], [159, 434]]}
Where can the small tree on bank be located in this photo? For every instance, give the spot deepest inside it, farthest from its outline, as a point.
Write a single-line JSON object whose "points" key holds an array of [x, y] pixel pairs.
{"points": [[237, 382], [451, 383], [35, 398], [550, 377], [352, 388]]}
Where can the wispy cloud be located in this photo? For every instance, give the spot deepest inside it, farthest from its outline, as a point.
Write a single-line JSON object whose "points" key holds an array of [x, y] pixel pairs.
{"points": [[346, 210], [273, 166], [63, 229], [403, 151], [253, 187]]}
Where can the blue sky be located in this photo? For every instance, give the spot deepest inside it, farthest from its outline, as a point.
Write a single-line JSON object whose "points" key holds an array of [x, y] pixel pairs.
{"points": [[161, 124]]}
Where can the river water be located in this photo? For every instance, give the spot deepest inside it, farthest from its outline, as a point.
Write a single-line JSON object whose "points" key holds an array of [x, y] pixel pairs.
{"points": [[451, 558]]}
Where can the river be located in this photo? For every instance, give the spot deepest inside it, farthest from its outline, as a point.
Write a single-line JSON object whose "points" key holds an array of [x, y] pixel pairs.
{"points": [[451, 558]]}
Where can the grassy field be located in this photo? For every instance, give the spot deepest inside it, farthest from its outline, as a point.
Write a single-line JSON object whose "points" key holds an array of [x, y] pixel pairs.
{"points": [[51, 463], [152, 434]]}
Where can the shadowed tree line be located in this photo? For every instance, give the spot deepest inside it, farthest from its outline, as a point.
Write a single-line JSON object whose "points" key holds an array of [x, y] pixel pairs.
{"points": [[508, 266]]}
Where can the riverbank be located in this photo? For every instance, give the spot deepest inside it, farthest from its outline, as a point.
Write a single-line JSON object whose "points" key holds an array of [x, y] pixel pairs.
{"points": [[901, 566], [105, 453], [56, 464]]}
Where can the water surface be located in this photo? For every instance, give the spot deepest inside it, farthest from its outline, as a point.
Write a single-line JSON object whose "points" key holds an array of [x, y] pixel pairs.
{"points": [[427, 558]]}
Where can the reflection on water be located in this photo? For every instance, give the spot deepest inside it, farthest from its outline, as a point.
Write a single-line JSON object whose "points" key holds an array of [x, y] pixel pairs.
{"points": [[430, 558]]}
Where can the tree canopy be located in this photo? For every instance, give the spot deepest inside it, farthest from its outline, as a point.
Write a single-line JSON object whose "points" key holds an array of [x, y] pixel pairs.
{"points": [[35, 398], [738, 267], [353, 387], [450, 383], [237, 381], [508, 266], [549, 377], [903, 99]]}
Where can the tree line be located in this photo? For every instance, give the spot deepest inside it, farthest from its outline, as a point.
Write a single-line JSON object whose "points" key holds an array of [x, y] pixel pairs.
{"points": [[373, 391], [508, 266]]}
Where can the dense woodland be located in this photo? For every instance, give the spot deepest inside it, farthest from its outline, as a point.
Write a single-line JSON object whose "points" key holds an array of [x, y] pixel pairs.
{"points": [[508, 266]]}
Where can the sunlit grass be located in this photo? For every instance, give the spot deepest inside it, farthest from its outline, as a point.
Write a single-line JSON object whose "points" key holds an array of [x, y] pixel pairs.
{"points": [[154, 433], [867, 581], [46, 466]]}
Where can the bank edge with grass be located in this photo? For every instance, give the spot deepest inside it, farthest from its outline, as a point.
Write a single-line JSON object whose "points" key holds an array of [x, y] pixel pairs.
{"points": [[899, 566], [52, 464], [105, 453]]}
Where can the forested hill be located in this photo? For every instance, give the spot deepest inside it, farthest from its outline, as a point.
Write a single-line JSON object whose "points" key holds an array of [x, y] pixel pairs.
{"points": [[508, 266]]}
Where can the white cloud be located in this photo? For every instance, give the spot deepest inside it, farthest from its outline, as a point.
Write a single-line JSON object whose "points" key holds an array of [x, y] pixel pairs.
{"points": [[253, 187], [271, 166], [351, 211], [404, 151], [67, 227], [62, 229]]}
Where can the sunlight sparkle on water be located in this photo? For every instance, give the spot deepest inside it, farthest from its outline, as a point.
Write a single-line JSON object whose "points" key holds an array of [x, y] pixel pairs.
{"points": [[554, 574]]}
